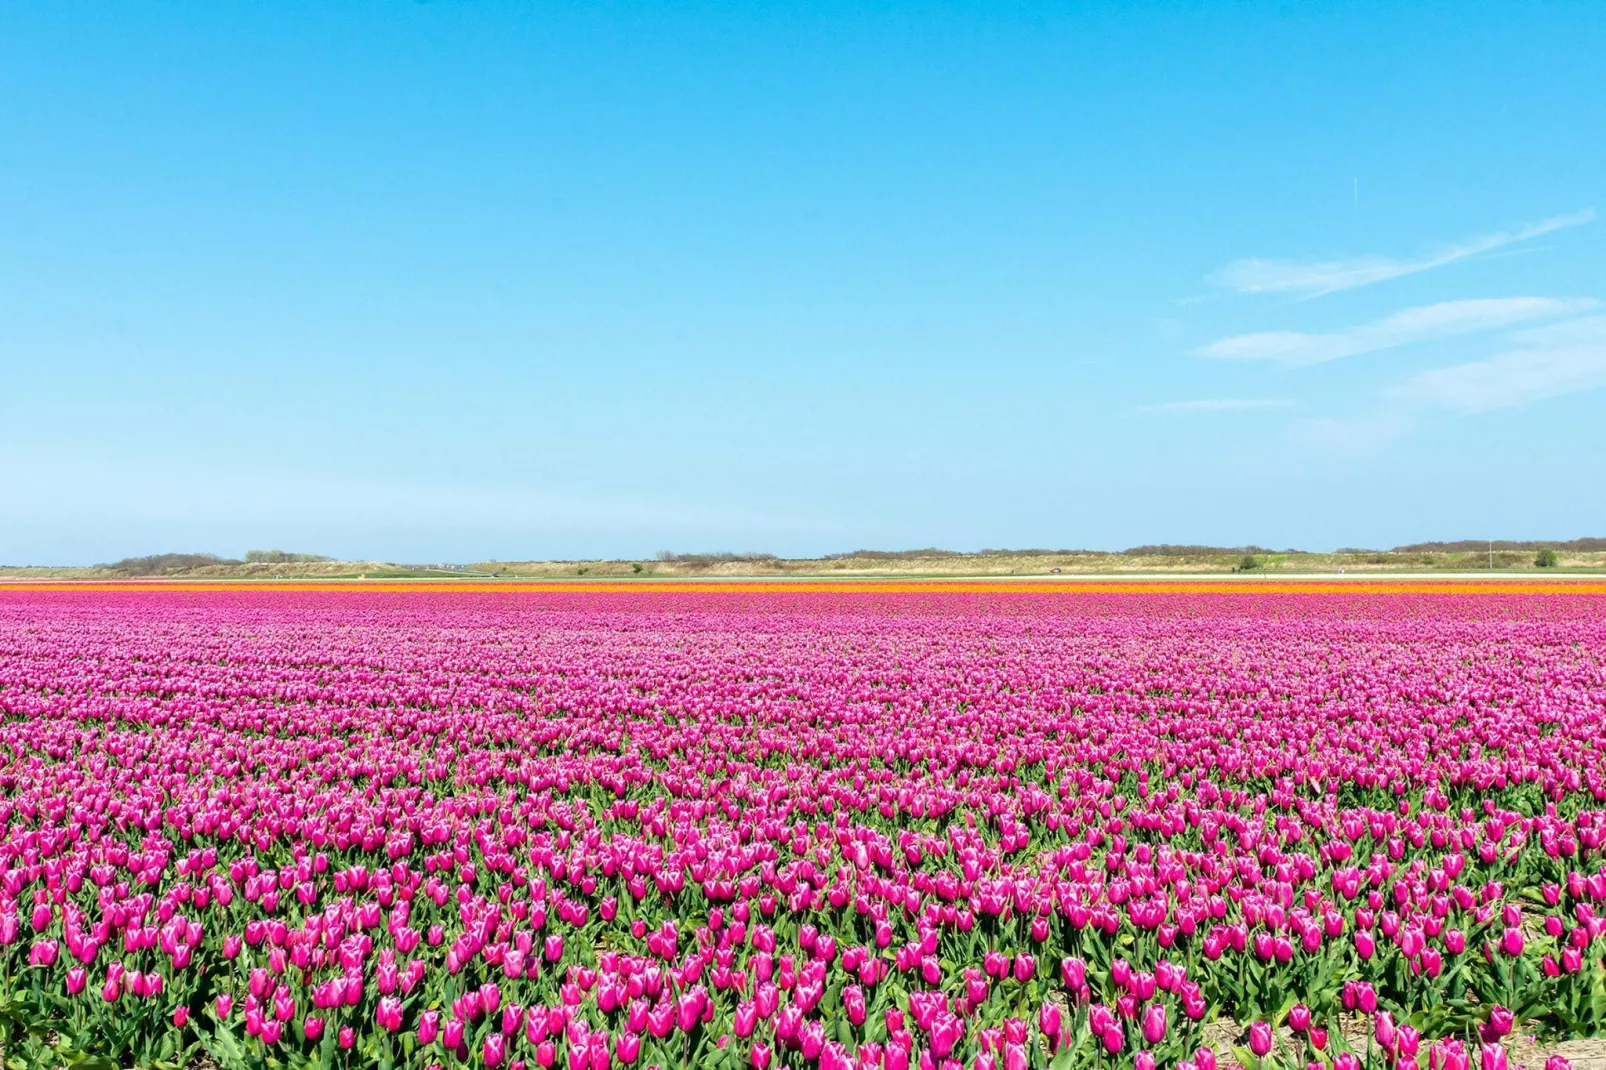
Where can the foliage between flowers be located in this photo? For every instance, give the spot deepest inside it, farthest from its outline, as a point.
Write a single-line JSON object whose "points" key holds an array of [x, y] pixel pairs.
{"points": [[329, 830]]}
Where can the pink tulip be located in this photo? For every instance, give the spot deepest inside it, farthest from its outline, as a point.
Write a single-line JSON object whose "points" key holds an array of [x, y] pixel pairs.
{"points": [[1154, 1024], [389, 1014], [853, 1003], [1073, 972]]}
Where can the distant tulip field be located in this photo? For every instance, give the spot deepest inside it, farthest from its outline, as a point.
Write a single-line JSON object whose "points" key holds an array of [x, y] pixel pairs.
{"points": [[846, 831]]}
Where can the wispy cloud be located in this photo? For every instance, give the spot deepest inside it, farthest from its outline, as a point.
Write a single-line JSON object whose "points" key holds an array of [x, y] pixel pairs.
{"points": [[1564, 358], [1218, 405], [1443, 320], [1315, 278], [1358, 436]]}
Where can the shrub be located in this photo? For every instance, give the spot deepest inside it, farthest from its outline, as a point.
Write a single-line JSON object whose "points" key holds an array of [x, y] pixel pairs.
{"points": [[1546, 558]]}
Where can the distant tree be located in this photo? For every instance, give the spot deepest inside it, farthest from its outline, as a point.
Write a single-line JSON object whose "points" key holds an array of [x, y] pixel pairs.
{"points": [[897, 555], [1249, 561], [1546, 558], [1590, 545], [164, 564], [279, 557], [723, 557]]}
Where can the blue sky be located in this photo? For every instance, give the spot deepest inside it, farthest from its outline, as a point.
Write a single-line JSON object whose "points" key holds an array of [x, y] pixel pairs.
{"points": [[452, 281]]}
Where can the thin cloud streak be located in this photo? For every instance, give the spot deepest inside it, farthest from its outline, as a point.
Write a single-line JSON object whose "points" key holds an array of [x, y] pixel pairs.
{"points": [[1310, 279], [1425, 323], [1361, 436], [1218, 405], [1565, 358]]}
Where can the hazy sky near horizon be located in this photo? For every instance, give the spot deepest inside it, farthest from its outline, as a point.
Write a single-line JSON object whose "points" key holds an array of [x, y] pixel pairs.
{"points": [[466, 280]]}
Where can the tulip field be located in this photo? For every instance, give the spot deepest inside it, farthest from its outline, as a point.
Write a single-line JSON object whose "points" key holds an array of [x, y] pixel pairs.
{"points": [[835, 829]]}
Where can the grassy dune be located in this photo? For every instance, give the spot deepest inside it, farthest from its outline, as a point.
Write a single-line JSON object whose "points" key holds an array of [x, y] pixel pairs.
{"points": [[910, 564]]}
